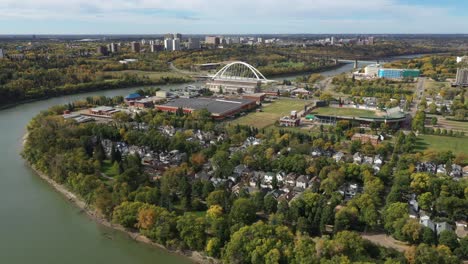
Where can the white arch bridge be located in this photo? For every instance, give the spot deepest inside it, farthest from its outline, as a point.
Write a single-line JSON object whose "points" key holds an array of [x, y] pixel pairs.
{"points": [[240, 71]]}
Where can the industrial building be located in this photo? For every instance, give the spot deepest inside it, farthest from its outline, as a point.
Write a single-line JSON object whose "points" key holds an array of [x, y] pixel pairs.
{"points": [[219, 108], [398, 73], [228, 86]]}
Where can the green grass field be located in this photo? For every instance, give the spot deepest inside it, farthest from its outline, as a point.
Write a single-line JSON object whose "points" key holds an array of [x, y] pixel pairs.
{"points": [[108, 170], [442, 143], [271, 113], [344, 112]]}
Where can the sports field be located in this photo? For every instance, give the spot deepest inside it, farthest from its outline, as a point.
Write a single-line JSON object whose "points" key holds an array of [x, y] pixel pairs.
{"points": [[443, 143], [352, 112], [271, 112]]}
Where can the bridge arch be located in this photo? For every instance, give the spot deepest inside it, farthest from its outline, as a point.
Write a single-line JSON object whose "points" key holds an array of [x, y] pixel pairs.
{"points": [[239, 70]]}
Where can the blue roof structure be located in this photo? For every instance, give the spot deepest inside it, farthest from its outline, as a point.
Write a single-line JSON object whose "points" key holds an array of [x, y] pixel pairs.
{"points": [[133, 96]]}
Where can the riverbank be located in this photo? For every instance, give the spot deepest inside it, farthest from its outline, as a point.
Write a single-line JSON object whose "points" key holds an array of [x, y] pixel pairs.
{"points": [[194, 256]]}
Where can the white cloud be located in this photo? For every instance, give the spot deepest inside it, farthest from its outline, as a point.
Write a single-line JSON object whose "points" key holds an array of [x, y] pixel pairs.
{"points": [[214, 14]]}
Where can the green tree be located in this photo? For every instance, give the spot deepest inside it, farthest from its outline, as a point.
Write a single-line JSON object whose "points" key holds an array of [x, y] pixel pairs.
{"points": [[243, 212], [448, 238], [192, 231]]}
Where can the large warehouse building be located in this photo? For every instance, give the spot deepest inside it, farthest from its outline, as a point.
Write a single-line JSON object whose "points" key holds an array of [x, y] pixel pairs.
{"points": [[219, 108]]}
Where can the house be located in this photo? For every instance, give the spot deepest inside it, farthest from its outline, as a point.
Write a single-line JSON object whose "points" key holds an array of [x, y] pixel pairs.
{"points": [[461, 229], [269, 177], [234, 178], [368, 160], [357, 158], [217, 181], [350, 190], [441, 169], [316, 152], [240, 169], [291, 179], [465, 171], [427, 222], [457, 171], [365, 138], [378, 160], [338, 156], [276, 194], [442, 226], [302, 182], [280, 176], [202, 175], [256, 178]]}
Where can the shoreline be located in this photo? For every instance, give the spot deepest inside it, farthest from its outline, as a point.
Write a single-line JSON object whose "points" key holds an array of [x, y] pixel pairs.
{"points": [[193, 256]]}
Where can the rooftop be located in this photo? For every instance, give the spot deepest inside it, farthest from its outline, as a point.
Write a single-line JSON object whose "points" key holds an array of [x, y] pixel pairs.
{"points": [[214, 106]]}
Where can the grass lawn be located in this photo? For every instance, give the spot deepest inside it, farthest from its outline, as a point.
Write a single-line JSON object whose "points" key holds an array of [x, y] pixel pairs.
{"points": [[442, 143], [108, 170], [271, 113], [344, 112], [151, 75]]}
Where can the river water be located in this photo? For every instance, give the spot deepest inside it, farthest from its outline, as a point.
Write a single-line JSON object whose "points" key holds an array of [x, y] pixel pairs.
{"points": [[37, 225]]}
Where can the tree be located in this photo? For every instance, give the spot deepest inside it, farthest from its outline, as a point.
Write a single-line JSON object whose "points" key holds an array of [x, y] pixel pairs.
{"points": [[434, 121], [412, 230], [462, 250], [126, 214], [192, 231], [448, 238], [426, 200], [259, 243], [220, 198], [243, 212], [393, 213], [270, 204], [428, 236]]}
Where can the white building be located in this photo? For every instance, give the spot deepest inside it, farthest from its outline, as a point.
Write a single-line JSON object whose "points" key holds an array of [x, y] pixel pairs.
{"points": [[372, 70], [463, 58], [176, 44], [168, 44], [1, 54]]}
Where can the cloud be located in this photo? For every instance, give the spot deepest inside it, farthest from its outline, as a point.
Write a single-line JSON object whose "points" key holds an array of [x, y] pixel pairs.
{"points": [[216, 15]]}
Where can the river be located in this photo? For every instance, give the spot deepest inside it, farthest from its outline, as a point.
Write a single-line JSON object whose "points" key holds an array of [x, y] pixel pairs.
{"points": [[37, 225]]}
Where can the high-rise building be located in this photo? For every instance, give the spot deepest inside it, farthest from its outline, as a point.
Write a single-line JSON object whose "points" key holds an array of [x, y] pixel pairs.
{"points": [[169, 36], [462, 77], [176, 44], [332, 40], [113, 47], [102, 50], [143, 42], [212, 40], [136, 47], [178, 36], [155, 47], [168, 44], [193, 43], [1, 54], [260, 40], [370, 40]]}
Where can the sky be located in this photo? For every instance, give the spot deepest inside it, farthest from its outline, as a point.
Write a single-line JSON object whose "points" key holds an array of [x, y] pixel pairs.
{"points": [[233, 16]]}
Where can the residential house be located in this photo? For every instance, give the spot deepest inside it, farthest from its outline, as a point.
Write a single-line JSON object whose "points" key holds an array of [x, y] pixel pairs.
{"points": [[442, 226], [457, 171], [378, 160], [291, 179], [350, 190], [427, 222], [368, 160], [302, 182], [338, 156], [240, 169], [462, 229], [441, 169], [281, 176], [465, 171], [357, 158]]}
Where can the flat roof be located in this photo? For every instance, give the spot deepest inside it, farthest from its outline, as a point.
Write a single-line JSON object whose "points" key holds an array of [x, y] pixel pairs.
{"points": [[213, 105]]}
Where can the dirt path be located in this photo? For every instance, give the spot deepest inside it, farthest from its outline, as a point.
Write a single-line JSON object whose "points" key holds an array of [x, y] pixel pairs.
{"points": [[385, 241]]}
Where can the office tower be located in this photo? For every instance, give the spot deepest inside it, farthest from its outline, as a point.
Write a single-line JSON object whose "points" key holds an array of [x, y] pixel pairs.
{"points": [[462, 77], [1, 54], [178, 36], [102, 50], [169, 36], [212, 40], [193, 43], [113, 47], [136, 47], [168, 44], [176, 44]]}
